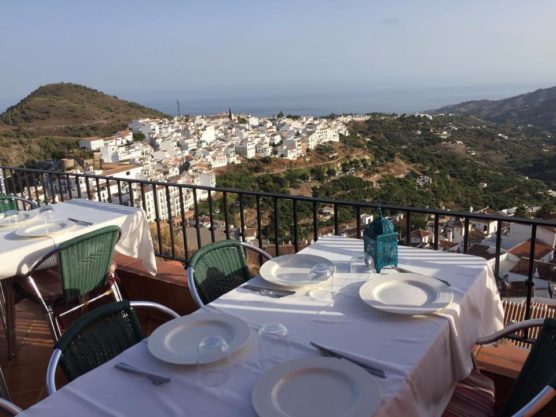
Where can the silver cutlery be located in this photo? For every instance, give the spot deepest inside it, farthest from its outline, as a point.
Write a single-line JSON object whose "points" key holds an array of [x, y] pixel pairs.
{"points": [[335, 354], [155, 379], [269, 292], [80, 222]]}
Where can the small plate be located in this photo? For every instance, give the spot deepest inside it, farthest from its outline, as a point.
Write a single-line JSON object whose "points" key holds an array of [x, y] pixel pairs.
{"points": [[177, 340], [20, 217], [316, 386], [407, 293], [293, 270], [44, 229]]}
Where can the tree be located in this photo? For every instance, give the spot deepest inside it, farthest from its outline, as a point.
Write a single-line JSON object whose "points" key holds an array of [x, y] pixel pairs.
{"points": [[138, 136], [521, 211], [331, 172], [545, 210], [280, 115]]}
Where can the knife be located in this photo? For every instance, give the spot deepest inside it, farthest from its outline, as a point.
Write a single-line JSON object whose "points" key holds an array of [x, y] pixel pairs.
{"points": [[80, 222], [154, 378], [268, 291], [335, 354]]}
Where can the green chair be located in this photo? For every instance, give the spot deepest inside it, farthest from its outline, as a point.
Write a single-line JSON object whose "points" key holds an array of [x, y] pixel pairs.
{"points": [[96, 337], [11, 202], [84, 264], [218, 268], [534, 388]]}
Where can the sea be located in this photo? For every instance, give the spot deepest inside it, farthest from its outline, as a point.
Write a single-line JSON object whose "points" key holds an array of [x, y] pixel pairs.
{"points": [[321, 104]]}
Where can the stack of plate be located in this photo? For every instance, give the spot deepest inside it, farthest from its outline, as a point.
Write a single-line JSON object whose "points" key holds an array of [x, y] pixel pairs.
{"points": [[407, 293], [293, 270], [177, 341]]}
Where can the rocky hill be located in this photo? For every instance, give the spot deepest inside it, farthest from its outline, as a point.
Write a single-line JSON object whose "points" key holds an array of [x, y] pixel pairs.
{"points": [[537, 108], [54, 116]]}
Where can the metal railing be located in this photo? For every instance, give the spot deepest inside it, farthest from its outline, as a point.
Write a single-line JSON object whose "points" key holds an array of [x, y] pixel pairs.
{"points": [[281, 221]]}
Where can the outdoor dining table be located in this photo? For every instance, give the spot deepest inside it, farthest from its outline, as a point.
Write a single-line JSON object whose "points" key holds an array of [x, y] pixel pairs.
{"points": [[17, 254], [423, 355]]}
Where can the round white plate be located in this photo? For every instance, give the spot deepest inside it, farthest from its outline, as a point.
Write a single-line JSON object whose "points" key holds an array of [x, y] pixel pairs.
{"points": [[21, 217], [316, 386], [177, 340], [407, 293], [293, 270], [44, 229]]}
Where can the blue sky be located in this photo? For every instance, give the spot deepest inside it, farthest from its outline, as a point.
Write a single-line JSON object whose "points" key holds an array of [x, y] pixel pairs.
{"points": [[156, 50]]}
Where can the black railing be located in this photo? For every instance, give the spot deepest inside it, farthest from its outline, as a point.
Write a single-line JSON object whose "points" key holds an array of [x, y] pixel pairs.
{"points": [[282, 222]]}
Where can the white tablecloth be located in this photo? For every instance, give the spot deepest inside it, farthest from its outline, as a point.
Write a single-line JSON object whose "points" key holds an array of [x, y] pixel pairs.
{"points": [[423, 356], [18, 254]]}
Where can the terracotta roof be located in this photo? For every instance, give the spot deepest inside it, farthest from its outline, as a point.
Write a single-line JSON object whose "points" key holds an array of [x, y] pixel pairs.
{"points": [[484, 251], [446, 244], [546, 271], [421, 233], [523, 249]]}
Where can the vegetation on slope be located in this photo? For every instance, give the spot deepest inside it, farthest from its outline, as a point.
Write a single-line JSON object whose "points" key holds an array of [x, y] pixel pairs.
{"points": [[48, 122]]}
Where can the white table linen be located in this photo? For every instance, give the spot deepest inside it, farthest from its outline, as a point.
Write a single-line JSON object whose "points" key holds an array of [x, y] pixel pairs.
{"points": [[17, 254], [423, 355]]}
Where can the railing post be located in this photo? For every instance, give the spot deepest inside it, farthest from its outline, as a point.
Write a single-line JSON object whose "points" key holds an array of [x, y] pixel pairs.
{"points": [[276, 243], [498, 244], [336, 220], [226, 223], [358, 221], [241, 218], [170, 221], [295, 242], [211, 216], [315, 222], [466, 235], [408, 228], [530, 284], [436, 230]]}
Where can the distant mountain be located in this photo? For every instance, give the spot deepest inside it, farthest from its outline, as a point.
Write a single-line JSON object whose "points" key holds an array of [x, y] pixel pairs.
{"points": [[49, 121], [537, 108]]}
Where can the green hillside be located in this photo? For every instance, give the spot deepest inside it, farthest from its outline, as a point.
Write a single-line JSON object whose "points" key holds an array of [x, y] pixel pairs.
{"points": [[50, 120]]}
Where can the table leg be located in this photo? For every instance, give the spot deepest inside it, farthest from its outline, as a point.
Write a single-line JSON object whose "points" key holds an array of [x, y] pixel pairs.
{"points": [[9, 311]]}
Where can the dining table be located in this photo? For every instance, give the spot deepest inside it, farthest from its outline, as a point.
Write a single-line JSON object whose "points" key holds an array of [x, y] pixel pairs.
{"points": [[423, 356], [17, 253]]}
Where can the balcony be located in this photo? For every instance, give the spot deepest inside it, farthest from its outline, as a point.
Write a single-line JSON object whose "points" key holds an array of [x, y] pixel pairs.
{"points": [[186, 217]]}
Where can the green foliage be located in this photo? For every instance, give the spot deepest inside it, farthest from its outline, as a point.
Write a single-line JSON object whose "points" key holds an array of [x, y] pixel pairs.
{"points": [[138, 136]]}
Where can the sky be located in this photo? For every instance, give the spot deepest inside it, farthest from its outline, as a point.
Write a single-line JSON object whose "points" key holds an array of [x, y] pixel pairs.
{"points": [[280, 52]]}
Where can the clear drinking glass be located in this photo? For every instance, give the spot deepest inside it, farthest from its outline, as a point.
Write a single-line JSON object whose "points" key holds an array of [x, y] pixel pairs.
{"points": [[273, 343], [213, 361], [324, 274], [362, 263]]}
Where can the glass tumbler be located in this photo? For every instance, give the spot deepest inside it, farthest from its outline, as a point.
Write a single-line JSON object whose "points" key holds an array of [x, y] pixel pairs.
{"points": [[213, 361], [273, 344]]}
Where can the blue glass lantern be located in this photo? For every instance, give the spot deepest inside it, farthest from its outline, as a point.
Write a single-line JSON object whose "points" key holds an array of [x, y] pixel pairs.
{"points": [[381, 242]]}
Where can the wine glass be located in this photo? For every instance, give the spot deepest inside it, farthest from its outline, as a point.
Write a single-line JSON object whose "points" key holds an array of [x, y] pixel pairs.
{"points": [[273, 343], [213, 361], [322, 273]]}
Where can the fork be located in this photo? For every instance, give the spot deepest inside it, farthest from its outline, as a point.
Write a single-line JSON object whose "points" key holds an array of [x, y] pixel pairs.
{"points": [[155, 379]]}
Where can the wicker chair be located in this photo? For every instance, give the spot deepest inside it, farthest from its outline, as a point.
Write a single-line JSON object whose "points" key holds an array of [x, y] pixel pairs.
{"points": [[11, 202], [534, 388], [96, 337], [218, 268], [84, 265]]}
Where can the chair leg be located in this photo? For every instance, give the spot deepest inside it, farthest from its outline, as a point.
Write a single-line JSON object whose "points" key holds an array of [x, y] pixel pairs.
{"points": [[53, 324], [116, 292], [8, 305]]}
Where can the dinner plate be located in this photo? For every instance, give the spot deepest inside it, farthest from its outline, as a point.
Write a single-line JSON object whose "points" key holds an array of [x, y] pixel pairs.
{"points": [[176, 341], [316, 386], [407, 293], [20, 217], [44, 229], [293, 270]]}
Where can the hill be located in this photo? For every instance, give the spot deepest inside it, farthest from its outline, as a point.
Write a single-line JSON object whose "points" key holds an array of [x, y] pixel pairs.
{"points": [[537, 108], [54, 116]]}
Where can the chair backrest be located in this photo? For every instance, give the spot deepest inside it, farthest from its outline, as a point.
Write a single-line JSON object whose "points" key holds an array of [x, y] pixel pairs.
{"points": [[538, 371], [219, 268], [97, 337], [84, 261], [7, 203]]}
